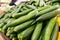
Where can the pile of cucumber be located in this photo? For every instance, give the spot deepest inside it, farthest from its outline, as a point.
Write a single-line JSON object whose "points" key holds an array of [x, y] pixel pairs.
{"points": [[29, 21]]}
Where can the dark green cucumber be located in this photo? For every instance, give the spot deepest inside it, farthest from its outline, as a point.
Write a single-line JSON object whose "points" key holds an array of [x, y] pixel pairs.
{"points": [[23, 18], [49, 29], [26, 32], [55, 32], [48, 10], [47, 16], [16, 15], [23, 25], [37, 31]]}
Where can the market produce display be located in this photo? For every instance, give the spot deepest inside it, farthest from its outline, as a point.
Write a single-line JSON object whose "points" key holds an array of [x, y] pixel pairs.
{"points": [[31, 20]]}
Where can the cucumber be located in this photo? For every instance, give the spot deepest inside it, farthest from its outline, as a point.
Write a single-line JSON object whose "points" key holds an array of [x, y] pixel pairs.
{"points": [[47, 16], [23, 18], [48, 10], [16, 15], [23, 25], [55, 32], [37, 31], [49, 29], [26, 33]]}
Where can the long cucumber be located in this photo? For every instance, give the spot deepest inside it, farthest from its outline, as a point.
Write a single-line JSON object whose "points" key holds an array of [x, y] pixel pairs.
{"points": [[37, 31], [49, 29], [16, 15], [55, 32], [23, 18], [47, 16], [23, 25], [48, 10], [26, 32]]}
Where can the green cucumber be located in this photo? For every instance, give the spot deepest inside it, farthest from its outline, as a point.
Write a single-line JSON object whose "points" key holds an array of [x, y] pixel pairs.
{"points": [[37, 31], [16, 15], [48, 10], [47, 16], [55, 32], [26, 33], [23, 25], [23, 18], [49, 29]]}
